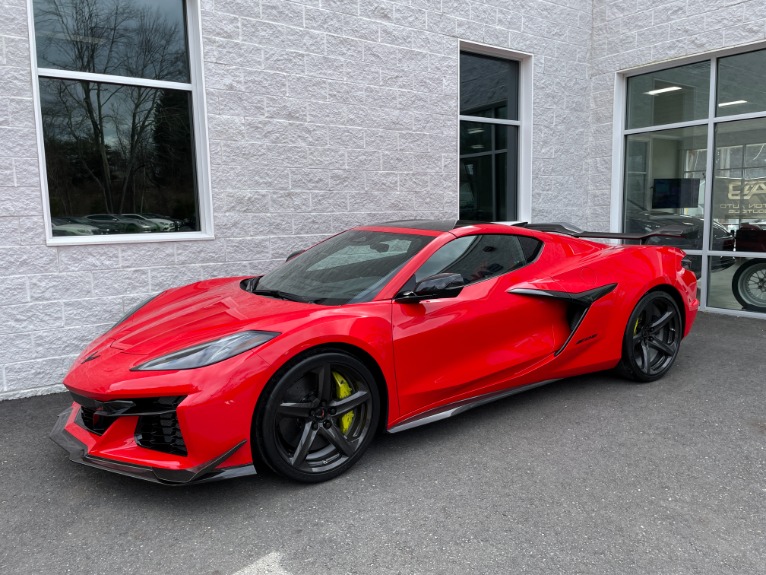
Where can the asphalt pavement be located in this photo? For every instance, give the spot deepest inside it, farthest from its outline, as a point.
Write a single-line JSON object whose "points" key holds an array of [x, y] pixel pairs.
{"points": [[588, 475]]}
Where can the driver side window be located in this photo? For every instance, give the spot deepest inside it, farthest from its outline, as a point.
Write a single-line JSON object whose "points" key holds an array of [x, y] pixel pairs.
{"points": [[481, 257]]}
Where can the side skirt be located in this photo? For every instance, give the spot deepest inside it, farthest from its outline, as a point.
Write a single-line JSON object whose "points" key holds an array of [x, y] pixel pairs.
{"points": [[458, 407]]}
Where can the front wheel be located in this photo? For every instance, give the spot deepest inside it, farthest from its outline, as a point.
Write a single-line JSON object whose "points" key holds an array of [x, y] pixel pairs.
{"points": [[652, 338], [318, 418], [749, 285]]}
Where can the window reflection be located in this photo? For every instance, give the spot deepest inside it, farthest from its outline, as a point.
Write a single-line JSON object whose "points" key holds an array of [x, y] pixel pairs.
{"points": [[668, 96], [488, 171], [740, 287], [665, 185], [114, 149], [741, 85], [739, 188], [488, 86], [135, 38]]}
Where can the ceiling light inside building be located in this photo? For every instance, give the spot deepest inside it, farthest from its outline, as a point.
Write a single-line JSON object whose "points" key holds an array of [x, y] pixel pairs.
{"points": [[663, 90], [475, 130], [732, 103]]}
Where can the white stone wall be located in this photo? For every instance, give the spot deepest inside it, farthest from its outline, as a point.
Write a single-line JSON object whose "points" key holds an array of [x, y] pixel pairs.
{"points": [[322, 114], [633, 33]]}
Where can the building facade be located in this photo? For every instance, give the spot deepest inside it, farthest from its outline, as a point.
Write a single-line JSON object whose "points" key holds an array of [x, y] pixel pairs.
{"points": [[148, 144]]}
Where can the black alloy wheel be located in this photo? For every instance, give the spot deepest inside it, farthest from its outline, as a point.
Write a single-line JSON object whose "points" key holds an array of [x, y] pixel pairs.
{"points": [[749, 285], [652, 338], [319, 416]]}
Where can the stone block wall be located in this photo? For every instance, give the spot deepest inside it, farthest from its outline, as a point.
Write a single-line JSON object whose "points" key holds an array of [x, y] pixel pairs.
{"points": [[322, 114]]}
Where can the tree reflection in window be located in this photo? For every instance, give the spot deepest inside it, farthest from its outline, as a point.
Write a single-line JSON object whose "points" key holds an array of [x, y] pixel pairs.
{"points": [[116, 141]]}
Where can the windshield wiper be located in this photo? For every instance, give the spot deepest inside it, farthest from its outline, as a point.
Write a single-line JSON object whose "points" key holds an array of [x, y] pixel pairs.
{"points": [[278, 294]]}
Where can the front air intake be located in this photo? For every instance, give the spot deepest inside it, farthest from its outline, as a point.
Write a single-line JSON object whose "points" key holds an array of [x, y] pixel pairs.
{"points": [[161, 432]]}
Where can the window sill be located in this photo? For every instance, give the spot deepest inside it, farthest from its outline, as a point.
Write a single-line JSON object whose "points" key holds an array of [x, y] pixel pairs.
{"points": [[151, 237]]}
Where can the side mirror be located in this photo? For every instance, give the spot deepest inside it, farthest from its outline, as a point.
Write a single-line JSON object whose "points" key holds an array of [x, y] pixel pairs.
{"points": [[445, 285]]}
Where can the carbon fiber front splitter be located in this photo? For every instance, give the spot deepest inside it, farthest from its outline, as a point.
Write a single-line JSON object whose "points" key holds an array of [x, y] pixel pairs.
{"points": [[174, 477]]}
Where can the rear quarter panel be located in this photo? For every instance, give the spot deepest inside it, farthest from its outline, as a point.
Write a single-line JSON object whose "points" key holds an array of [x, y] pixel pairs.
{"points": [[636, 270]]}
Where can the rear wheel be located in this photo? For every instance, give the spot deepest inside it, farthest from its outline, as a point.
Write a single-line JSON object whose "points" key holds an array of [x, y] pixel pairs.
{"points": [[319, 417], [749, 285], [652, 338]]}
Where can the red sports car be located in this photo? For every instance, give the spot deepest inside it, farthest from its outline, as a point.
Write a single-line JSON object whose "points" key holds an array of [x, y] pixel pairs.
{"points": [[385, 326]]}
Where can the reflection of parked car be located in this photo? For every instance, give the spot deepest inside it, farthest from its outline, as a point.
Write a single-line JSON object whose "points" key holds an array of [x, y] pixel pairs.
{"points": [[162, 224], [123, 225], [102, 227], [690, 236], [751, 237], [64, 227], [176, 222]]}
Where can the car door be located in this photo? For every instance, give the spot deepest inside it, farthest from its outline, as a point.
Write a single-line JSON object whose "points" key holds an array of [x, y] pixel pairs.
{"points": [[480, 341]]}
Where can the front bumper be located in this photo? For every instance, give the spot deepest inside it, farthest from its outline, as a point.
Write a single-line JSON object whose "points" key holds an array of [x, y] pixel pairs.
{"points": [[203, 472]]}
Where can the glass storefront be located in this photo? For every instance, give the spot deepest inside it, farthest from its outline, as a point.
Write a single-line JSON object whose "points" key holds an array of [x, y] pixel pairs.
{"points": [[716, 203]]}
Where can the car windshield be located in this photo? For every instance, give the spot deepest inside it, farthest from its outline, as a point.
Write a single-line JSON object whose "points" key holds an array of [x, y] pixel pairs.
{"points": [[348, 268]]}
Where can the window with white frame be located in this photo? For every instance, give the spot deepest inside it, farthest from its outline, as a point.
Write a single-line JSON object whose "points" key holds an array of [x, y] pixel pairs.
{"points": [[117, 107], [715, 203], [489, 137]]}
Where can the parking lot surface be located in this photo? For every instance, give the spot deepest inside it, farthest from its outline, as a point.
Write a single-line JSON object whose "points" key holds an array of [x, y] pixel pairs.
{"points": [[587, 475]]}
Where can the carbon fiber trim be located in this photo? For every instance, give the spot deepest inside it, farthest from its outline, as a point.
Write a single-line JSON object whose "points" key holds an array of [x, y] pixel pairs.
{"points": [[173, 477]]}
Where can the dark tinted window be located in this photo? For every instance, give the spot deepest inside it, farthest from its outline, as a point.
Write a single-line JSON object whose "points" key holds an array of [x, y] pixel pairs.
{"points": [[134, 38], [481, 257]]}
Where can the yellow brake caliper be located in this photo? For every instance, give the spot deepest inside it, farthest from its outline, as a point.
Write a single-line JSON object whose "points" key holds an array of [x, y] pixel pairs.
{"points": [[342, 391]]}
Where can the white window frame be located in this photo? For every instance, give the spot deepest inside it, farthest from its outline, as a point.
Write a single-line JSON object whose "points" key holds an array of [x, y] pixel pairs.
{"points": [[199, 117], [618, 158], [524, 123]]}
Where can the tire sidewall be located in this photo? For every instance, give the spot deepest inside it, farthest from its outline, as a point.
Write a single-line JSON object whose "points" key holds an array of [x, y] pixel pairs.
{"points": [[746, 268], [265, 419], [628, 365]]}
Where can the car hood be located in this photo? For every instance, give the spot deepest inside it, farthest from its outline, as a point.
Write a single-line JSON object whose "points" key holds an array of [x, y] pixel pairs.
{"points": [[203, 312]]}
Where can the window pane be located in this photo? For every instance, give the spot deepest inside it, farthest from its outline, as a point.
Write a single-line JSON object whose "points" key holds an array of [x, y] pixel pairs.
{"points": [[740, 285], [741, 84], [489, 87], [676, 95], [135, 38], [488, 171], [476, 257], [663, 187], [113, 149], [739, 195]]}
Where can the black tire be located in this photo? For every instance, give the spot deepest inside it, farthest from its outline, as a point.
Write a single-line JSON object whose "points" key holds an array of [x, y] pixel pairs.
{"points": [[304, 430], [749, 285], [652, 338]]}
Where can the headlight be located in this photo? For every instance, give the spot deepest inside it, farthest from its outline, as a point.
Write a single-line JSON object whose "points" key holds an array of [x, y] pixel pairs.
{"points": [[209, 352]]}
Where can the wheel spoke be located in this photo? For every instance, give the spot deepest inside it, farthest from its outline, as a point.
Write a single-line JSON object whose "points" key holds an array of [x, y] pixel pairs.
{"points": [[288, 409], [662, 321], [645, 356], [304, 445], [334, 436], [662, 347], [324, 382], [350, 402]]}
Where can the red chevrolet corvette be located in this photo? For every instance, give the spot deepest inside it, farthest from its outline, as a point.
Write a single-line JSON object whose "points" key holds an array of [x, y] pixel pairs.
{"points": [[386, 326]]}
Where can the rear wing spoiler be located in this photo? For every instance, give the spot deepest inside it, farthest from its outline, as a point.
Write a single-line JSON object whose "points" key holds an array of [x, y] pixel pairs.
{"points": [[574, 231]]}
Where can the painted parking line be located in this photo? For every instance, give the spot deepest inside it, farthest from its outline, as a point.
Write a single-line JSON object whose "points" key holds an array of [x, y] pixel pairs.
{"points": [[266, 565]]}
